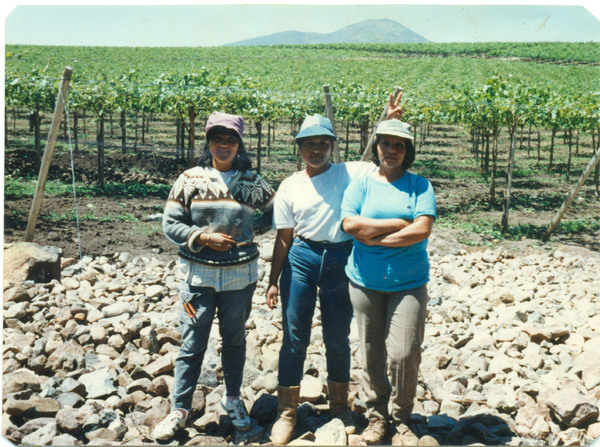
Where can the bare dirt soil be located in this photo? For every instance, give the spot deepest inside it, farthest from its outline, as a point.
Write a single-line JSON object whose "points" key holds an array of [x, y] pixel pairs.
{"points": [[116, 223]]}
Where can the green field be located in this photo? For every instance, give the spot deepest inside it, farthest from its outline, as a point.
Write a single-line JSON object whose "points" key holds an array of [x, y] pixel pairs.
{"points": [[424, 70]]}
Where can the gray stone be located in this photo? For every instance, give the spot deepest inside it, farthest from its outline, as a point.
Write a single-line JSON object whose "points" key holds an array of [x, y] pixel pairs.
{"points": [[68, 355], [148, 339], [118, 310], [207, 440], [119, 427], [21, 380], [162, 365], [91, 422], [70, 385], [168, 335], [73, 400], [104, 434], [572, 408], [332, 433], [17, 311], [17, 407], [68, 420], [531, 422], [140, 384], [29, 261], [16, 294], [594, 430], [571, 436], [502, 398], [65, 439], [311, 389], [42, 436], [158, 387], [154, 292], [98, 384], [131, 400]]}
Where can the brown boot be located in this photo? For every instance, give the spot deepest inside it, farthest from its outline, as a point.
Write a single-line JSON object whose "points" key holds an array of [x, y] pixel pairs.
{"points": [[338, 405], [375, 432], [405, 435], [287, 397]]}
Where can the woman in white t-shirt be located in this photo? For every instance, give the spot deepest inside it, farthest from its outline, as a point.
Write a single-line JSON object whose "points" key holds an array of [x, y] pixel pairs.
{"points": [[310, 254]]}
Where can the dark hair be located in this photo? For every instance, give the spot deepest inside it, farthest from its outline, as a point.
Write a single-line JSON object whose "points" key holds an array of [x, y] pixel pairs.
{"points": [[241, 162], [409, 156]]}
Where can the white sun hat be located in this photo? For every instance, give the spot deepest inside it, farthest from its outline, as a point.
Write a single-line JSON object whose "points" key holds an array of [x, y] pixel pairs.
{"points": [[315, 125], [394, 127]]}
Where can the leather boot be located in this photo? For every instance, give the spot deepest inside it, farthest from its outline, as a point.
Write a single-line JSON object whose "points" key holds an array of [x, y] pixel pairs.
{"points": [[375, 432], [338, 405], [287, 397], [405, 435]]}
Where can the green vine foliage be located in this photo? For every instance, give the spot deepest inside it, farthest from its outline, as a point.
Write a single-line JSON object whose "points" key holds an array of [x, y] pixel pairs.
{"points": [[447, 84]]}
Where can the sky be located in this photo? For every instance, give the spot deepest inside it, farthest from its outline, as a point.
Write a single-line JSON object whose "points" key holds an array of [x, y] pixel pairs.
{"points": [[107, 24]]}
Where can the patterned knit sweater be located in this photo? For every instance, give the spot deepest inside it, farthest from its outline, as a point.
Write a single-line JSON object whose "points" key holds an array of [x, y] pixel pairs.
{"points": [[200, 201]]}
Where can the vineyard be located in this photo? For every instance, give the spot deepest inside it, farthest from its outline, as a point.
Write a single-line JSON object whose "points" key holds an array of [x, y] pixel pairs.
{"points": [[477, 110]]}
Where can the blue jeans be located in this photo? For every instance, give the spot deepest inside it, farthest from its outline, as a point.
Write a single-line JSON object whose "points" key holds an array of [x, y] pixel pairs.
{"points": [[232, 308], [309, 267]]}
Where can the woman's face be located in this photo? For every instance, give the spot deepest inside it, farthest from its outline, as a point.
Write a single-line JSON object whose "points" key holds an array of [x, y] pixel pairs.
{"points": [[316, 152], [223, 148], [391, 150]]}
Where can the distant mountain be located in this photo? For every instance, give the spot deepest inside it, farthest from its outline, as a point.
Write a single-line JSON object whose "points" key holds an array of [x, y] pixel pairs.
{"points": [[367, 31]]}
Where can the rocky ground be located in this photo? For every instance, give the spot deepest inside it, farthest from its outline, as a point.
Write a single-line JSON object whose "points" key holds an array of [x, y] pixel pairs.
{"points": [[510, 355]]}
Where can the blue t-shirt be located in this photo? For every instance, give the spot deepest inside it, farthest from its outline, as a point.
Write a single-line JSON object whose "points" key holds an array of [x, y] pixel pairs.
{"points": [[389, 268]]}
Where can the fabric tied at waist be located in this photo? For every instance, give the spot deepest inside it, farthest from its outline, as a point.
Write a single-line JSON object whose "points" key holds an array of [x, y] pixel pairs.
{"points": [[241, 254]]}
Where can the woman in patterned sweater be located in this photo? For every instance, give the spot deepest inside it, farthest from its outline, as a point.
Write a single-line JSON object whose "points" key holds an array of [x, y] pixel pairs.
{"points": [[211, 216]]}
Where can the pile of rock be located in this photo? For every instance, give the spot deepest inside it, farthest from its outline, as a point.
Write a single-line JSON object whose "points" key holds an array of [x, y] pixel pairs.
{"points": [[510, 356]]}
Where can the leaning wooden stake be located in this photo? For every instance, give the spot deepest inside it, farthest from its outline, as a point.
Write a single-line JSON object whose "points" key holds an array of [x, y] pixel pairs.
{"points": [[367, 153], [47, 158], [329, 110], [563, 209]]}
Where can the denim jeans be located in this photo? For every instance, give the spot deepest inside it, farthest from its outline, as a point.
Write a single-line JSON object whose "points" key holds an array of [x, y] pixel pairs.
{"points": [[311, 267], [391, 326], [232, 309]]}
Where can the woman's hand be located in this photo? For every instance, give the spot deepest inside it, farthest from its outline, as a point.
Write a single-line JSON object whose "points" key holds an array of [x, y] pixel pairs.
{"points": [[283, 242], [417, 231], [395, 110], [219, 241], [272, 299], [363, 228], [367, 241]]}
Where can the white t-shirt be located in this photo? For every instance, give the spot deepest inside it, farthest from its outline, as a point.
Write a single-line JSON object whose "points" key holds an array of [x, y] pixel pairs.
{"points": [[312, 205]]}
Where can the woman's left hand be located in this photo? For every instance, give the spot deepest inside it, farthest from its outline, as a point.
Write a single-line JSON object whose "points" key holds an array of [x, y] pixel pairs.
{"points": [[395, 110], [271, 296]]}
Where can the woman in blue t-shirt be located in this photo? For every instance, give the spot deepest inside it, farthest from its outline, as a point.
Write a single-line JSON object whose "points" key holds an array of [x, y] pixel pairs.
{"points": [[390, 214]]}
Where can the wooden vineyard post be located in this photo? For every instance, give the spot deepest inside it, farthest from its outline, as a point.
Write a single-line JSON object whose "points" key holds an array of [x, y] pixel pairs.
{"points": [[47, 158], [329, 110], [367, 153], [509, 173], [563, 209]]}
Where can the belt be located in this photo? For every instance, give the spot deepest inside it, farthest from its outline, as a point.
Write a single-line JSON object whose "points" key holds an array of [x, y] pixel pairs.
{"points": [[325, 243]]}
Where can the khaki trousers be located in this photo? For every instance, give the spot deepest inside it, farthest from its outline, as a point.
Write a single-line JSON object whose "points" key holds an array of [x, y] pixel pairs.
{"points": [[391, 327]]}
